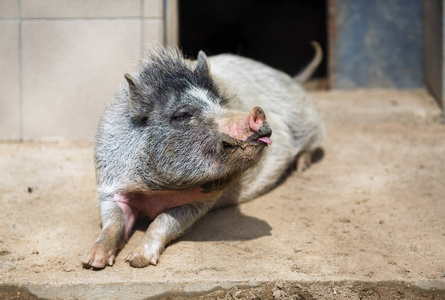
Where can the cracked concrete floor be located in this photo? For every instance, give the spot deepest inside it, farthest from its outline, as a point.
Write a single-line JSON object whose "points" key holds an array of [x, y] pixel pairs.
{"points": [[366, 221]]}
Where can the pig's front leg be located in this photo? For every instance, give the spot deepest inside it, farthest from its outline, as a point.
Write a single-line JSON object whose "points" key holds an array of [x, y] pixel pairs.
{"points": [[116, 225], [166, 227]]}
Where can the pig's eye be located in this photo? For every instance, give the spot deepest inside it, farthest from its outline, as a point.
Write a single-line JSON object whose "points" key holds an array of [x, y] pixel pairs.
{"points": [[182, 116]]}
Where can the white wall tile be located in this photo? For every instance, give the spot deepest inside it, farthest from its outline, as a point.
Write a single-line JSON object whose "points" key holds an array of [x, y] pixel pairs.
{"points": [[80, 8], [9, 9], [9, 81], [70, 72], [153, 33], [153, 8]]}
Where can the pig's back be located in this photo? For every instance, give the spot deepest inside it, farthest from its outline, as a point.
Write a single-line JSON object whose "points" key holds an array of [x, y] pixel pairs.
{"points": [[295, 122]]}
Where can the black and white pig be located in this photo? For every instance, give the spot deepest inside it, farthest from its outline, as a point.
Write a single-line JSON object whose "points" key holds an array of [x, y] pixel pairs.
{"points": [[182, 137]]}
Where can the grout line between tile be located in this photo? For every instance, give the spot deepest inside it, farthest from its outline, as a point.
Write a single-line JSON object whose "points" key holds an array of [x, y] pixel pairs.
{"points": [[164, 23], [8, 20], [142, 29], [98, 19]]}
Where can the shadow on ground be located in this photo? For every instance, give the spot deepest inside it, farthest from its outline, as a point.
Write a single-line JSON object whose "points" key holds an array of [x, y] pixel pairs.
{"points": [[227, 224]]}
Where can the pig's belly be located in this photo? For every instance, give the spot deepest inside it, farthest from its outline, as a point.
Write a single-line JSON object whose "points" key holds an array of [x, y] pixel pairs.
{"points": [[154, 203]]}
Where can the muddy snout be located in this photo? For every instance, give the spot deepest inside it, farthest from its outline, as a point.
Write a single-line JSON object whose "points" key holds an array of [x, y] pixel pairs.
{"points": [[241, 129], [259, 126]]}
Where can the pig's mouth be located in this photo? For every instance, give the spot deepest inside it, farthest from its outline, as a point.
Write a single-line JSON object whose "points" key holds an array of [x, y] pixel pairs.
{"points": [[265, 140], [260, 138]]}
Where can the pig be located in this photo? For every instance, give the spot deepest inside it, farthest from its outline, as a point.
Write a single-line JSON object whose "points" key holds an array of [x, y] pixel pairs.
{"points": [[182, 137]]}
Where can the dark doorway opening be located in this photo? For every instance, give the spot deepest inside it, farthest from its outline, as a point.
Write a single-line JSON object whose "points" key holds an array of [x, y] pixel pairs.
{"points": [[276, 32]]}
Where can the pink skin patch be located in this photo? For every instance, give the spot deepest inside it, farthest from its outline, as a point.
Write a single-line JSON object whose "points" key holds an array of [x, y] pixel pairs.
{"points": [[156, 202], [131, 212], [235, 126]]}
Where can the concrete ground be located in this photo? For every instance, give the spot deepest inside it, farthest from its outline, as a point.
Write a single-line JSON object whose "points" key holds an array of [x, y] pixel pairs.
{"points": [[367, 221]]}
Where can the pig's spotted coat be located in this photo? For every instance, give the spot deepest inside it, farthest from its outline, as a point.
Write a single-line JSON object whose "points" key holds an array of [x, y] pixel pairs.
{"points": [[171, 146]]}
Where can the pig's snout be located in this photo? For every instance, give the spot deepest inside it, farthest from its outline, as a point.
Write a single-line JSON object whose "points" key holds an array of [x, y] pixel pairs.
{"points": [[259, 125], [257, 117], [248, 128]]}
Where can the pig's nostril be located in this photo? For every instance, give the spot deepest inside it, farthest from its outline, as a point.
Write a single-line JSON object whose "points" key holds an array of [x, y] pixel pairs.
{"points": [[265, 131]]}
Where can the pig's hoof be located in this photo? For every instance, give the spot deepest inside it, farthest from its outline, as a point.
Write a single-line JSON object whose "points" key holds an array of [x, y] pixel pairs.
{"points": [[142, 257], [98, 258]]}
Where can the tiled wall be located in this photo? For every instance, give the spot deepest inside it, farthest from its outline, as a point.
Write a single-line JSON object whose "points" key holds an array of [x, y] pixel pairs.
{"points": [[61, 61]]}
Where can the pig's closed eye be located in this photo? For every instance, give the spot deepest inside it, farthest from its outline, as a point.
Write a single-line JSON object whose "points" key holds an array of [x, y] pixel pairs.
{"points": [[182, 116]]}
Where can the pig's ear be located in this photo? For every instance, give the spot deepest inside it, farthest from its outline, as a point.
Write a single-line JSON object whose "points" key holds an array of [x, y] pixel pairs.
{"points": [[139, 107], [130, 81], [202, 65]]}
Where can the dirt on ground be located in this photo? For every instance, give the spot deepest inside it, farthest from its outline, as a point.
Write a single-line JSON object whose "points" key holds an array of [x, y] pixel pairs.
{"points": [[366, 221], [296, 291], [289, 290]]}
